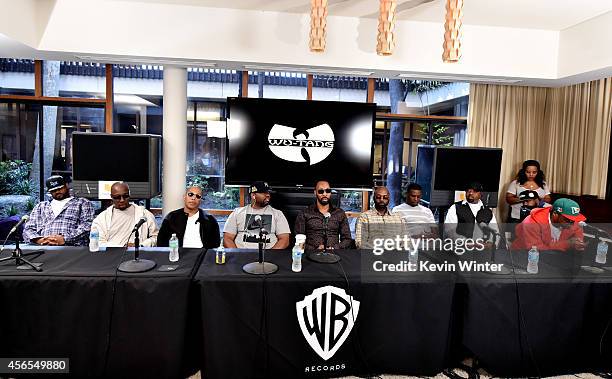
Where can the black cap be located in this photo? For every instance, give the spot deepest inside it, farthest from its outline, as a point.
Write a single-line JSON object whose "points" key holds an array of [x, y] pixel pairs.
{"points": [[475, 186], [528, 195], [260, 186], [55, 182]]}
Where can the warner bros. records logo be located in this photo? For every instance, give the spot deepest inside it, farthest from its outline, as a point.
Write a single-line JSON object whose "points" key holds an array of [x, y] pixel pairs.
{"points": [[311, 145], [326, 319]]}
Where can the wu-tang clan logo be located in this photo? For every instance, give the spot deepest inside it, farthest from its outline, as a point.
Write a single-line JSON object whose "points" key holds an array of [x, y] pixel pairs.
{"points": [[326, 318], [311, 145]]}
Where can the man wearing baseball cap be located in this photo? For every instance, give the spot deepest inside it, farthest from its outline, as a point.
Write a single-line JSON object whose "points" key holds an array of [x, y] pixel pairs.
{"points": [[244, 225], [464, 218], [64, 220], [552, 228]]}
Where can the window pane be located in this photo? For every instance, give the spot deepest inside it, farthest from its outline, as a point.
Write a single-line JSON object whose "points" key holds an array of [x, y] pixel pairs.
{"points": [[69, 120], [82, 79], [16, 76], [19, 187]]}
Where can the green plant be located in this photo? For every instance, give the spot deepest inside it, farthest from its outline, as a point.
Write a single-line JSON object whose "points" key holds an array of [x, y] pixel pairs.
{"points": [[29, 205], [439, 136], [12, 210], [15, 178]]}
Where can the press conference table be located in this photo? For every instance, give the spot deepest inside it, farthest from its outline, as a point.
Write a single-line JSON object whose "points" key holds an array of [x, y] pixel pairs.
{"points": [[234, 325], [134, 325]]}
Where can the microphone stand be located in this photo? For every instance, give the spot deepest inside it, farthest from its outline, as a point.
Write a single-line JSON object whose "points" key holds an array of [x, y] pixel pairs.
{"points": [[261, 267], [137, 264], [503, 269], [324, 256], [18, 256]]}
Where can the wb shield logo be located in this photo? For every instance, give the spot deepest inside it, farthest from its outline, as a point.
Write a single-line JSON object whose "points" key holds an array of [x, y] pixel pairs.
{"points": [[326, 319], [311, 145]]}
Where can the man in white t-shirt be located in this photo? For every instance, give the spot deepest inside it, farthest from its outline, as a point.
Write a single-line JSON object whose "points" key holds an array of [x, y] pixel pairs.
{"points": [[193, 227], [412, 212], [243, 226]]}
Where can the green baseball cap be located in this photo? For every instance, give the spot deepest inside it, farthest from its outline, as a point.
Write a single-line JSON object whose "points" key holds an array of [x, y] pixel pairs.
{"points": [[568, 208]]}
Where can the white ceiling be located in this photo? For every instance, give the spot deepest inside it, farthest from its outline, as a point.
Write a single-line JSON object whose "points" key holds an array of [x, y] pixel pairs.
{"points": [[528, 14]]}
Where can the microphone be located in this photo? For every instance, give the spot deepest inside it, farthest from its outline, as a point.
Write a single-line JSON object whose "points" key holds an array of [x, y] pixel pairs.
{"points": [[264, 231], [326, 217], [140, 222], [486, 228], [24, 218]]}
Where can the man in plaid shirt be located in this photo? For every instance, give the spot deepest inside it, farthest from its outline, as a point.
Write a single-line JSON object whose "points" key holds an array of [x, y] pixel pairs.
{"points": [[65, 220]]}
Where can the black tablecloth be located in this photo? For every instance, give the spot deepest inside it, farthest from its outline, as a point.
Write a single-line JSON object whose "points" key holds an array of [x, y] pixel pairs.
{"points": [[65, 311], [403, 326], [550, 323]]}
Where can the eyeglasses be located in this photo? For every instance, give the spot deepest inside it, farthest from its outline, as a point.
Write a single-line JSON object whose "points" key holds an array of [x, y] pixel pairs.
{"points": [[119, 197], [191, 194], [322, 191]]}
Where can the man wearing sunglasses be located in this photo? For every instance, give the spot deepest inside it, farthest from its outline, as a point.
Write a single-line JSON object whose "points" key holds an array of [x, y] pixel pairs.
{"points": [[552, 228], [193, 227], [324, 225], [245, 224], [116, 223], [65, 220]]}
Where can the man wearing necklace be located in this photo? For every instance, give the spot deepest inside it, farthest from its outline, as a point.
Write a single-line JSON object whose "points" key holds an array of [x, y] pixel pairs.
{"points": [[378, 222], [244, 225], [193, 227]]}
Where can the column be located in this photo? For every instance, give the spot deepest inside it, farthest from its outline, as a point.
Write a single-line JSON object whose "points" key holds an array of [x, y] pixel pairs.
{"points": [[175, 138]]}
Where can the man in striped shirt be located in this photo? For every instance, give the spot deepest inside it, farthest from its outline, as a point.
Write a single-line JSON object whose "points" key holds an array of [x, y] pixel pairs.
{"points": [[378, 222], [414, 213]]}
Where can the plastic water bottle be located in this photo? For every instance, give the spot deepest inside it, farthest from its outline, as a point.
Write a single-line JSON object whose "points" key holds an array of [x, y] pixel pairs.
{"points": [[174, 248], [532, 260], [296, 254], [94, 240], [220, 255], [602, 252], [413, 256]]}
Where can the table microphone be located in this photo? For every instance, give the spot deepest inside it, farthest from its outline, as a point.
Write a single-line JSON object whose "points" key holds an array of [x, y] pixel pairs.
{"points": [[588, 226], [24, 218], [140, 222]]}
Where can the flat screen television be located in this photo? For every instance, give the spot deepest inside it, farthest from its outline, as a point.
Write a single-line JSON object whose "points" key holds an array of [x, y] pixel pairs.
{"points": [[455, 167], [293, 143], [132, 158]]}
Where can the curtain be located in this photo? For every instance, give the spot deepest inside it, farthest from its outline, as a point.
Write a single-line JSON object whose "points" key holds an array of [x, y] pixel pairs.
{"points": [[567, 129]]}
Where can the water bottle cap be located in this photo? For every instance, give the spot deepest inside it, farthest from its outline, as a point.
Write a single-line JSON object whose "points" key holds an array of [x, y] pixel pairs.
{"points": [[300, 238], [173, 234]]}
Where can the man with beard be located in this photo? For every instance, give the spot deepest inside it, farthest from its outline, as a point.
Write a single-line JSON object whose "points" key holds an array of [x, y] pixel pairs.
{"points": [[243, 226], [193, 227], [65, 220], [116, 223], [552, 228], [464, 218], [378, 222], [325, 226]]}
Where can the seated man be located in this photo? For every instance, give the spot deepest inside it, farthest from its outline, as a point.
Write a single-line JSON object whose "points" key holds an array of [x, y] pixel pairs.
{"points": [[530, 200], [378, 222], [464, 218], [414, 213], [243, 226], [65, 220], [116, 223], [551, 228], [192, 226], [322, 223]]}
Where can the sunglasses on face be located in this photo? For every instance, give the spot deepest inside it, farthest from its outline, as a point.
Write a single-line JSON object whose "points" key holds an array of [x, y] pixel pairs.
{"points": [[191, 194], [322, 191], [119, 197]]}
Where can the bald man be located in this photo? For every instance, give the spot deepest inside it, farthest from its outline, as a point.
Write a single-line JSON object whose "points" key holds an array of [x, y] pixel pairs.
{"points": [[193, 227], [378, 222], [116, 223]]}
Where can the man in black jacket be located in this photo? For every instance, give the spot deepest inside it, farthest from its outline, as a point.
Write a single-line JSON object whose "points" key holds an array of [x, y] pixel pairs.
{"points": [[192, 226]]}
